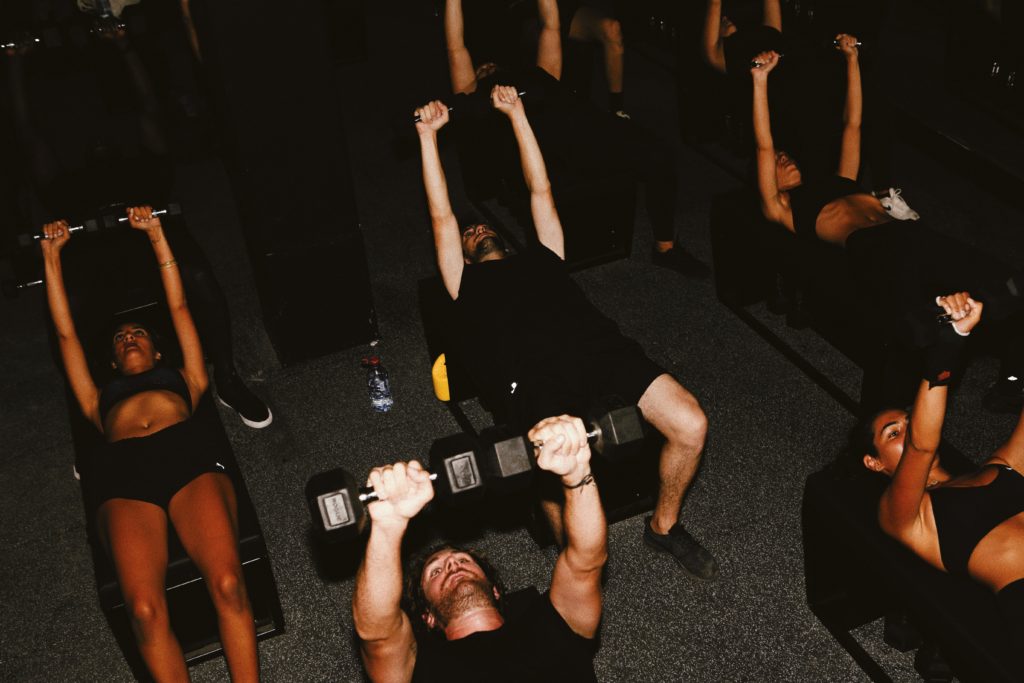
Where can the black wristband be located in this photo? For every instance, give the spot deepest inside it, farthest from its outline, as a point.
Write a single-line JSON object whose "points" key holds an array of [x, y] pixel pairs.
{"points": [[944, 358]]}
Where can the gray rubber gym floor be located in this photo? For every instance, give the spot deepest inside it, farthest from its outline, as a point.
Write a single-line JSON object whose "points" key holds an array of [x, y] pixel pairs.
{"points": [[769, 426]]}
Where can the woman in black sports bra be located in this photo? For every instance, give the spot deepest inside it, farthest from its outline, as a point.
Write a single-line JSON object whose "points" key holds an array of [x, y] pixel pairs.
{"points": [[970, 525], [157, 465], [836, 207], [899, 264]]}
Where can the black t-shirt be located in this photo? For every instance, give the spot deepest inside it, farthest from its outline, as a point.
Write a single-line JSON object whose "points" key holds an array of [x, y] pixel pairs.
{"points": [[534, 645], [522, 315]]}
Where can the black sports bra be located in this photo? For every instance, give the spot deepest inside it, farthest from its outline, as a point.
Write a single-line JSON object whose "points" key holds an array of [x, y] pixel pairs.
{"points": [[807, 201], [965, 514], [158, 378]]}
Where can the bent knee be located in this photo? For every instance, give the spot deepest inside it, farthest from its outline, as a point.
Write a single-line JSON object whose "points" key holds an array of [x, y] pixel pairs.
{"points": [[227, 589], [147, 612], [688, 424]]}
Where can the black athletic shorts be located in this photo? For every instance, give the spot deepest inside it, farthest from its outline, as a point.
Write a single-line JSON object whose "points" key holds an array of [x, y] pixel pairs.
{"points": [[151, 468], [582, 380]]}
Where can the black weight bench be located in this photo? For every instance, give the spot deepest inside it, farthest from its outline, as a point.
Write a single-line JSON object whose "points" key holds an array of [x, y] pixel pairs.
{"points": [[856, 574], [628, 487], [92, 266], [756, 260], [192, 615]]}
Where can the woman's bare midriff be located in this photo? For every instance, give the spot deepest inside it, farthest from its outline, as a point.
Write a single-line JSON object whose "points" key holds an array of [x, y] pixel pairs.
{"points": [[145, 413], [844, 216]]}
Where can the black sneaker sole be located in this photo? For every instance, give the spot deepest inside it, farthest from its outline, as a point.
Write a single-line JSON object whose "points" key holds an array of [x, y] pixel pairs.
{"points": [[657, 546]]}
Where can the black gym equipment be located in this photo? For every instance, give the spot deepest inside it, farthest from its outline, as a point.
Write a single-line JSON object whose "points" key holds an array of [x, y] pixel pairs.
{"points": [[106, 222], [416, 119], [192, 616], [462, 467], [23, 275]]}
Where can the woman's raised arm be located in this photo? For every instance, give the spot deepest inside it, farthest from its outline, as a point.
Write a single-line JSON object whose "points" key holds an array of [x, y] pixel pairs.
{"points": [[142, 218], [72, 354]]}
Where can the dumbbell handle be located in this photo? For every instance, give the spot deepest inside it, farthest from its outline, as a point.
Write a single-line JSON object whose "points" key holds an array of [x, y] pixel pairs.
{"points": [[368, 495], [857, 44], [76, 228], [417, 119], [754, 64]]}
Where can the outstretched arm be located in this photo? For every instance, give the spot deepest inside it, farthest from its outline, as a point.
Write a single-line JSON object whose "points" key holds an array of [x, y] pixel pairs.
{"points": [[767, 181], [713, 47], [549, 42], [542, 203], [75, 364], [772, 15], [576, 581], [849, 156], [900, 506], [460, 62], [142, 218], [386, 639], [447, 241]]}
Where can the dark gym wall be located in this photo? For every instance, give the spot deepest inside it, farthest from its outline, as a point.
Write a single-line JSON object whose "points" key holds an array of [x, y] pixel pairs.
{"points": [[272, 74]]}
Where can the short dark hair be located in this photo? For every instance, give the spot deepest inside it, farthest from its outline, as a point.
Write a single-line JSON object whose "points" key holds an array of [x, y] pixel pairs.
{"points": [[414, 600]]}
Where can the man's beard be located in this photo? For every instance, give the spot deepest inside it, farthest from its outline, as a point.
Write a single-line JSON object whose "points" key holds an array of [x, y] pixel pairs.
{"points": [[468, 595], [486, 247]]}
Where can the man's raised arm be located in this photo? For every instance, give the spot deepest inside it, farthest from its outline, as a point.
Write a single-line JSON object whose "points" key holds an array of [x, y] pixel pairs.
{"points": [[576, 581], [447, 240], [386, 639], [542, 203]]}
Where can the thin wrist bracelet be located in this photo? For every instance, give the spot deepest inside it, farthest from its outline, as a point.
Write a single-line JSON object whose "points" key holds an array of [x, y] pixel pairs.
{"points": [[588, 479], [169, 264]]}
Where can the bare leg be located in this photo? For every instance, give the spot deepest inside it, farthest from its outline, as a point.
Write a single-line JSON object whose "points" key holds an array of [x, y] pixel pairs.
{"points": [[674, 412], [135, 534], [591, 24], [549, 43], [205, 515]]}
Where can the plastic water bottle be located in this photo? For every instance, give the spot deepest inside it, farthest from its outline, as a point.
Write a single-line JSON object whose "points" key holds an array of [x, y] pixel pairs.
{"points": [[378, 384]]}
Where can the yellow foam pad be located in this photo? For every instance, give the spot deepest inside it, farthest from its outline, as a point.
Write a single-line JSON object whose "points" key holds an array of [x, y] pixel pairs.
{"points": [[439, 373]]}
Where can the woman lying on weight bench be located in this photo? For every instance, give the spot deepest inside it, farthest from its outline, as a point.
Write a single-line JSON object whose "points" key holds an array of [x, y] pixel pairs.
{"points": [[894, 257], [971, 525], [157, 464]]}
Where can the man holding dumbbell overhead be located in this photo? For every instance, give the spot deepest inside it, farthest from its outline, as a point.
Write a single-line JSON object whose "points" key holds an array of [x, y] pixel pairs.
{"points": [[456, 595], [535, 345]]}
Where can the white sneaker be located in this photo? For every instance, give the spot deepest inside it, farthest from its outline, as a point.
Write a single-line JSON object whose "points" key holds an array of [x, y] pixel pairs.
{"points": [[897, 207], [621, 113]]}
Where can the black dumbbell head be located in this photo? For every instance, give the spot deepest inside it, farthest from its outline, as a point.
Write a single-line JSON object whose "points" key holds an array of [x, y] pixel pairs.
{"points": [[454, 460], [334, 505], [617, 428], [507, 462]]}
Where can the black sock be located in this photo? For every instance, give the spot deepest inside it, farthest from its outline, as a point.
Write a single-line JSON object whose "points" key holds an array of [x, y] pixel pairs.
{"points": [[616, 101]]}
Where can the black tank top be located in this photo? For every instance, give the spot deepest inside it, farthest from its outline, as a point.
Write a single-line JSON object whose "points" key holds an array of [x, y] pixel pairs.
{"points": [[807, 201], [159, 378], [965, 514]]}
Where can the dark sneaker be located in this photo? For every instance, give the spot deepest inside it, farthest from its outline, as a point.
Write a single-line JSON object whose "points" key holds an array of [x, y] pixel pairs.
{"points": [[684, 549], [252, 411], [681, 261], [1005, 396]]}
